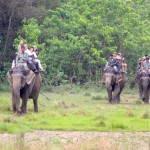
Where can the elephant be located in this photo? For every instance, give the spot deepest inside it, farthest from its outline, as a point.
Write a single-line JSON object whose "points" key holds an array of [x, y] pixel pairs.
{"points": [[114, 84], [143, 81], [25, 84]]}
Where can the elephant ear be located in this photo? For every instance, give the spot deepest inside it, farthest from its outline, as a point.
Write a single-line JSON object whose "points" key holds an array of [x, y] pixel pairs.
{"points": [[9, 78], [30, 77]]}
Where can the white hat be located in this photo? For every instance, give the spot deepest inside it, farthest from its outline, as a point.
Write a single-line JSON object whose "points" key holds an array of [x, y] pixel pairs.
{"points": [[35, 47]]}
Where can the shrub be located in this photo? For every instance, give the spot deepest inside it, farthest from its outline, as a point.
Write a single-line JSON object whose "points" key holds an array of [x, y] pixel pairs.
{"points": [[130, 113], [98, 97], [87, 94], [118, 126], [146, 115], [139, 102]]}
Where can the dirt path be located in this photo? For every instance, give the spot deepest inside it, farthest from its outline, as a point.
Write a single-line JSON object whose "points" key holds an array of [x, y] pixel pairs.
{"points": [[71, 140]]}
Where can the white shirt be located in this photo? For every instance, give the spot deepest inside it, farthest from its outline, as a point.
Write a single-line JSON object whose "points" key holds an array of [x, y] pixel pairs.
{"points": [[28, 52], [34, 54]]}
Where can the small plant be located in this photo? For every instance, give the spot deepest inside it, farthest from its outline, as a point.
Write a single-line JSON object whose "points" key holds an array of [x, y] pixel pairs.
{"points": [[101, 119], [98, 97], [87, 94], [7, 120], [118, 126], [102, 123], [62, 105], [146, 115], [139, 102], [130, 113]]}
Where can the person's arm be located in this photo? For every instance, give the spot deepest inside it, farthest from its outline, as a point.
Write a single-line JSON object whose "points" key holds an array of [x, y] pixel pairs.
{"points": [[27, 57], [35, 55], [17, 58]]}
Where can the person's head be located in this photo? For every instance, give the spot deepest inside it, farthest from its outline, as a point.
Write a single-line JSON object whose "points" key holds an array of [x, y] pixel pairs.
{"points": [[146, 55], [22, 48], [147, 59], [26, 46], [111, 56], [114, 54], [21, 42], [119, 54], [35, 48], [31, 48]]}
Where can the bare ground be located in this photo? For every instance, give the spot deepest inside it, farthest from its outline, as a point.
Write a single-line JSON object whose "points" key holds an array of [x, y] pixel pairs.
{"points": [[76, 140]]}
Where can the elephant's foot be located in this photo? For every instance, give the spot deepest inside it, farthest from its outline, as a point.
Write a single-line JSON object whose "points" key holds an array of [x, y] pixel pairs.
{"points": [[14, 110], [20, 114], [146, 102], [36, 111], [115, 102]]}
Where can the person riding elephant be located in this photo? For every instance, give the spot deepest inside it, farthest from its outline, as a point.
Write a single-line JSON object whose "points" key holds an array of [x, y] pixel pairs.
{"points": [[113, 84], [25, 83]]}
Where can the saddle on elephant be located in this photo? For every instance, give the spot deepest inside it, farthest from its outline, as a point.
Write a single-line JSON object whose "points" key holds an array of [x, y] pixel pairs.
{"points": [[28, 75], [117, 75]]}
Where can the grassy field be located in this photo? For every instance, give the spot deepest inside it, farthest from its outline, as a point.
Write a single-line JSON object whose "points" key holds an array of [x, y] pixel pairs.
{"points": [[78, 110]]}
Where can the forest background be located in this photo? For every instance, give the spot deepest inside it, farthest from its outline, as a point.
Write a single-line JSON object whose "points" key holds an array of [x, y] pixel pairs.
{"points": [[75, 37]]}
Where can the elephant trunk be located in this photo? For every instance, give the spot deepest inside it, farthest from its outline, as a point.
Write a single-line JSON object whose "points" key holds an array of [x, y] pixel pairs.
{"points": [[109, 88], [145, 90], [16, 86], [144, 97]]}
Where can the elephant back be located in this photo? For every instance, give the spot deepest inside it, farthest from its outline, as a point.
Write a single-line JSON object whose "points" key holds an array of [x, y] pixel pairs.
{"points": [[110, 70], [19, 70], [143, 73]]}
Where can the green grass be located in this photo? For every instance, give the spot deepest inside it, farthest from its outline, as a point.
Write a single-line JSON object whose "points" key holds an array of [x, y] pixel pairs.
{"points": [[77, 111]]}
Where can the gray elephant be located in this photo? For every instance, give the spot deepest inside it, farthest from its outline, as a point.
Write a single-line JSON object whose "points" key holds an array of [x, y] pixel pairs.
{"points": [[114, 84], [143, 81], [25, 84]]}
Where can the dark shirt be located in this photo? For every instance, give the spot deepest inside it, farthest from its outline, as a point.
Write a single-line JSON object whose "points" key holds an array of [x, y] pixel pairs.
{"points": [[112, 62]]}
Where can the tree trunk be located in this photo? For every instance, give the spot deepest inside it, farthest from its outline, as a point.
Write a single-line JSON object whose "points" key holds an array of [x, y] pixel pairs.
{"points": [[7, 37]]}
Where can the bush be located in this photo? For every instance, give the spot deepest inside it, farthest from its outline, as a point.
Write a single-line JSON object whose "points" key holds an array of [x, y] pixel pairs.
{"points": [[87, 94], [139, 102], [146, 115], [98, 97], [130, 113]]}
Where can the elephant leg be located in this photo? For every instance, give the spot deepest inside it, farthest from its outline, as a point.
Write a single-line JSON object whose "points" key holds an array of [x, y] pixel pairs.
{"points": [[13, 103], [24, 106], [24, 102], [14, 106], [121, 88], [115, 97], [140, 91], [35, 105], [109, 91], [147, 97]]}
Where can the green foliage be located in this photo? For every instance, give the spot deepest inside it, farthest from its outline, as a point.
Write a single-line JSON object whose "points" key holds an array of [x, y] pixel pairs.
{"points": [[80, 35], [75, 38], [29, 33]]}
